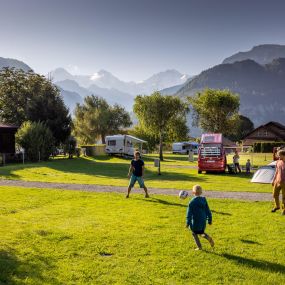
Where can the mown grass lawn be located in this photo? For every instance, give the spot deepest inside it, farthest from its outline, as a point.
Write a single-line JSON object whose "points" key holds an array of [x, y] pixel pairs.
{"points": [[106, 170], [64, 237]]}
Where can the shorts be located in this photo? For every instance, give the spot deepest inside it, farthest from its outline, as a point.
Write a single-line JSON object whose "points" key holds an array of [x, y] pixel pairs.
{"points": [[134, 179]]}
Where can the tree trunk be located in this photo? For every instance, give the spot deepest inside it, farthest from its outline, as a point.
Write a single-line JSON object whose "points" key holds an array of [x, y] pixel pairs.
{"points": [[103, 138], [160, 147]]}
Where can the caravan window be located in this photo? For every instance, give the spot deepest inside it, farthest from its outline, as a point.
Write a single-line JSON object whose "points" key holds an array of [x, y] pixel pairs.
{"points": [[113, 142]]}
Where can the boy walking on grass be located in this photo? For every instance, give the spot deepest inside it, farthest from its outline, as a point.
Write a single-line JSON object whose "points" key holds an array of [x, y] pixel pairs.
{"points": [[278, 182], [136, 173], [198, 213]]}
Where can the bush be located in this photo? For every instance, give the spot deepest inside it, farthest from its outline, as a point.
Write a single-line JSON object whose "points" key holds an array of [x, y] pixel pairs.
{"points": [[265, 147], [37, 140]]}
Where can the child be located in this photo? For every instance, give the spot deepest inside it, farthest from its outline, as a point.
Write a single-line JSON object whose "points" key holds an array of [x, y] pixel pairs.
{"points": [[278, 182], [198, 213], [136, 173], [248, 166]]}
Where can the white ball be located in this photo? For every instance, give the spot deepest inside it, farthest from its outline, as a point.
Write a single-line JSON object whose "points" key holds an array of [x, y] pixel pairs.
{"points": [[183, 194]]}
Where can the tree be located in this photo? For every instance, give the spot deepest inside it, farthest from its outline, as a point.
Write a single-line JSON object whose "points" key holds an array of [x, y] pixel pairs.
{"points": [[216, 111], [96, 118], [31, 97], [37, 140], [244, 127], [157, 112]]}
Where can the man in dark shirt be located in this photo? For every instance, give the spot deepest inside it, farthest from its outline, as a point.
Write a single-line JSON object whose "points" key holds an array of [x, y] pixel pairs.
{"points": [[136, 173]]}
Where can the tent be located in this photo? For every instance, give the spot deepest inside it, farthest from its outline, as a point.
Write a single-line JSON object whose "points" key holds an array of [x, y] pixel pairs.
{"points": [[264, 174]]}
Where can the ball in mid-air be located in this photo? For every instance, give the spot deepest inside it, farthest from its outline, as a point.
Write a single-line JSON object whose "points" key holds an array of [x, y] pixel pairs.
{"points": [[183, 194]]}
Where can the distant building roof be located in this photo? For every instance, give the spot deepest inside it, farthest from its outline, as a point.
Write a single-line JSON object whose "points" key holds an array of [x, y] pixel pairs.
{"points": [[8, 126], [270, 132]]}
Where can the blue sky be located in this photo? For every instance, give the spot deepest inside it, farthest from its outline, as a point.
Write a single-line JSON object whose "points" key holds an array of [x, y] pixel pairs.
{"points": [[134, 39]]}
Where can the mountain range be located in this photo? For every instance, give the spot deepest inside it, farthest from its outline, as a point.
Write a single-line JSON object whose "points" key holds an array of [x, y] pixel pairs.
{"points": [[257, 75], [261, 87], [114, 90]]}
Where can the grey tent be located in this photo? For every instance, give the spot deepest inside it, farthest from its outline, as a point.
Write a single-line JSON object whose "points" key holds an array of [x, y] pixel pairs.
{"points": [[264, 174]]}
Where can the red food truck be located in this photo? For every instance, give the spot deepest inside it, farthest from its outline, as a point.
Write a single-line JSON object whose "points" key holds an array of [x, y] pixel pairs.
{"points": [[211, 155]]}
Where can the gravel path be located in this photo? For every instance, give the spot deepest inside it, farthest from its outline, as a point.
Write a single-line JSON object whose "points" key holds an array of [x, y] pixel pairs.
{"points": [[248, 196]]}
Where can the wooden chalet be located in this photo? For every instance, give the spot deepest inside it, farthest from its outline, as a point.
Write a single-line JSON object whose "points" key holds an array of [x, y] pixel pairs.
{"points": [[270, 132], [7, 138]]}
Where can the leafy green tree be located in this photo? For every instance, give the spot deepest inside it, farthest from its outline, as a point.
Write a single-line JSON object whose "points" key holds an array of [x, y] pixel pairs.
{"points": [[96, 118], [31, 97], [216, 111], [157, 112], [244, 127], [37, 140], [177, 130], [151, 138]]}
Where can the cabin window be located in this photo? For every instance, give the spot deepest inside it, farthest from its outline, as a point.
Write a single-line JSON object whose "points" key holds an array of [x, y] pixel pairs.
{"points": [[112, 143]]}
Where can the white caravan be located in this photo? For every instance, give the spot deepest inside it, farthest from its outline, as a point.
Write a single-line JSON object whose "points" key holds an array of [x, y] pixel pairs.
{"points": [[124, 145], [185, 147]]}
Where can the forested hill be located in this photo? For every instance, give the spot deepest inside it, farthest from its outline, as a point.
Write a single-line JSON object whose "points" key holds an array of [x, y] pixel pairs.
{"points": [[9, 62], [261, 87]]}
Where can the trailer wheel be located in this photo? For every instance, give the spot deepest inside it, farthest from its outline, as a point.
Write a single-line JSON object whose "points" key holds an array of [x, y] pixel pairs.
{"points": [[199, 171]]}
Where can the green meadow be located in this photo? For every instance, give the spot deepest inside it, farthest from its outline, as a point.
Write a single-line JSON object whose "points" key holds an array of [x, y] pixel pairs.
{"points": [[65, 237], [177, 172]]}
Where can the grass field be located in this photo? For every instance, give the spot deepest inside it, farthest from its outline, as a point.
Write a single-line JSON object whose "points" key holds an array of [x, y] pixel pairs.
{"points": [[64, 237], [177, 173]]}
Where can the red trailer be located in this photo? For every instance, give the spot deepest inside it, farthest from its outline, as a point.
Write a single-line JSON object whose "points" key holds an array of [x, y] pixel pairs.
{"points": [[211, 154]]}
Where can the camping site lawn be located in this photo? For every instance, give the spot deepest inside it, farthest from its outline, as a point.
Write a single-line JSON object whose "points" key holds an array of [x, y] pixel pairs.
{"points": [[177, 173], [65, 237]]}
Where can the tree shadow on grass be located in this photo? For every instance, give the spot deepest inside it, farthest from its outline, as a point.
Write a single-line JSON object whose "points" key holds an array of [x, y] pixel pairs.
{"points": [[12, 270], [254, 263], [93, 167]]}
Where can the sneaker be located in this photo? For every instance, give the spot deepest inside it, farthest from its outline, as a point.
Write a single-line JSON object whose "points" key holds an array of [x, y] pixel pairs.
{"points": [[274, 210], [198, 248], [127, 196]]}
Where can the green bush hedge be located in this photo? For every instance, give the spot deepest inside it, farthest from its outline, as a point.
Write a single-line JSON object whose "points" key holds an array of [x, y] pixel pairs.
{"points": [[266, 146]]}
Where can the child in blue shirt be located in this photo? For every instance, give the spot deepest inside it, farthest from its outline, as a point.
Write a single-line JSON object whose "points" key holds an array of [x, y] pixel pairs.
{"points": [[198, 213]]}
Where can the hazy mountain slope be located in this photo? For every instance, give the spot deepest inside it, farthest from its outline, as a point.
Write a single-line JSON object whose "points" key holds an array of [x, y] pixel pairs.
{"points": [[70, 99], [261, 88], [73, 86], [9, 62], [261, 54]]}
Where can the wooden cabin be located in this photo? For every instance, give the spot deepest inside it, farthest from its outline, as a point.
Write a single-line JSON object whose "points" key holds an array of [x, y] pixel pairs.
{"points": [[7, 138], [270, 132]]}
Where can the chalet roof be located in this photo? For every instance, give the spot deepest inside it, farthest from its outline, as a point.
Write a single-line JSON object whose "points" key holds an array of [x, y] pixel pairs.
{"points": [[7, 126], [274, 127]]}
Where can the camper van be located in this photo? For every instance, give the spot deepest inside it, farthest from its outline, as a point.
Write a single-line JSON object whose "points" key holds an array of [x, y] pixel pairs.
{"points": [[185, 147], [123, 145], [211, 154]]}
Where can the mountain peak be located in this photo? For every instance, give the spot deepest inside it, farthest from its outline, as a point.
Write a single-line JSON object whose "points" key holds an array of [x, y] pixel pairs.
{"points": [[14, 63], [262, 54]]}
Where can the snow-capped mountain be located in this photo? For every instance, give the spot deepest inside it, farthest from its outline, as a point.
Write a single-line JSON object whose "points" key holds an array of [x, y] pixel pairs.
{"points": [[105, 79]]}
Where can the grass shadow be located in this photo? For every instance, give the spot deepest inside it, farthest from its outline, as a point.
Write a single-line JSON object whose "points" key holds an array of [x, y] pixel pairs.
{"points": [[164, 202], [221, 213], [250, 241], [263, 265], [257, 264]]}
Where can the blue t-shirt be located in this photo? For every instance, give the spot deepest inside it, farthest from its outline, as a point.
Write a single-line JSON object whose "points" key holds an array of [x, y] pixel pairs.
{"points": [[137, 166]]}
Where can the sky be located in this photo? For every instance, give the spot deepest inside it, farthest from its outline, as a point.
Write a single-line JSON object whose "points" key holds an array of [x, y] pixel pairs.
{"points": [[133, 39]]}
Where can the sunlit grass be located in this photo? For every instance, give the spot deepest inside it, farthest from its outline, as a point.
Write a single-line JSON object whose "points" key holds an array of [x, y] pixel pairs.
{"points": [[64, 237], [113, 171]]}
